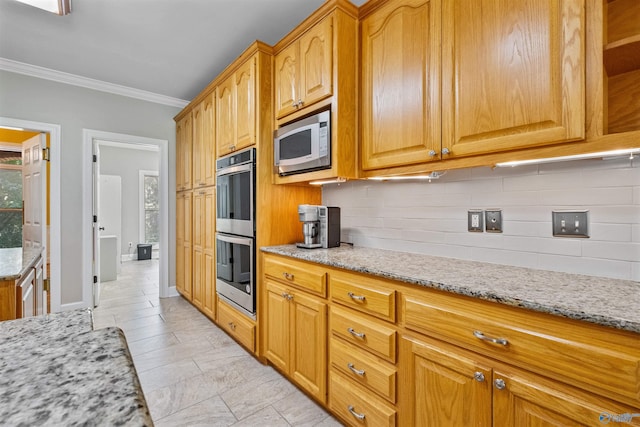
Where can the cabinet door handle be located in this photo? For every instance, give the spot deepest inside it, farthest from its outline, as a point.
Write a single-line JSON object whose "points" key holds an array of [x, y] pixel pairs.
{"points": [[432, 153], [445, 151], [500, 384], [355, 334], [232, 326], [288, 276], [478, 376], [483, 337], [300, 103], [356, 297], [294, 105], [354, 413], [287, 296], [359, 372]]}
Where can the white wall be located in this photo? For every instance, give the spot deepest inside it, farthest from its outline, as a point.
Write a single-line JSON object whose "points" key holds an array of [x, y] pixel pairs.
{"points": [[126, 163], [431, 218], [75, 108]]}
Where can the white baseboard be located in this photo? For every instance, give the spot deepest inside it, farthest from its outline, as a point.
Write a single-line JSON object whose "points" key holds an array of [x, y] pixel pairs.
{"points": [[134, 257]]}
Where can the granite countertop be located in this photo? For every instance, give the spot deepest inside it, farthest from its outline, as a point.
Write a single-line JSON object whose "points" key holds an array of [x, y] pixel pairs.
{"points": [[608, 302], [14, 261], [56, 370]]}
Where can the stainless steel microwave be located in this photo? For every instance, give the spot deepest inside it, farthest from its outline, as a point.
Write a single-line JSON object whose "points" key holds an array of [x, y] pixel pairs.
{"points": [[303, 145]]}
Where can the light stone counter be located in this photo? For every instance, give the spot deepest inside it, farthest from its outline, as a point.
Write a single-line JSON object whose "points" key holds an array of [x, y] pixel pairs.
{"points": [[607, 302], [15, 261], [55, 370]]}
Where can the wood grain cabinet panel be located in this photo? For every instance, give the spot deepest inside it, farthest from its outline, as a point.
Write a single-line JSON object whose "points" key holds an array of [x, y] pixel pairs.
{"points": [[309, 277], [513, 74], [184, 143], [364, 294], [401, 84], [184, 205], [203, 295], [237, 325]]}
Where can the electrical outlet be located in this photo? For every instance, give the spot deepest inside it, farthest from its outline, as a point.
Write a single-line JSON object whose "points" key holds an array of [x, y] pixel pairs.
{"points": [[493, 219], [570, 223], [475, 221]]}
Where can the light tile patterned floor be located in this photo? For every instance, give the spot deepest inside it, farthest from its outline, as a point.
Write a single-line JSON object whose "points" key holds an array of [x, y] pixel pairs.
{"points": [[191, 372]]}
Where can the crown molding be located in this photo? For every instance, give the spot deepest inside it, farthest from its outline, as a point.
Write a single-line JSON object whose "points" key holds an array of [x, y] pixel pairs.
{"points": [[75, 80]]}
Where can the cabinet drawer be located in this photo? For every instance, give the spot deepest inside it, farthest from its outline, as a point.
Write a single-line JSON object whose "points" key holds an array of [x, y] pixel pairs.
{"points": [[357, 406], [243, 330], [364, 332], [604, 360], [307, 276], [364, 369], [364, 294]]}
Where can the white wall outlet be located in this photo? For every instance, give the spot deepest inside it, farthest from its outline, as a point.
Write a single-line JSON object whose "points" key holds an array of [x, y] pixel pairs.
{"points": [[475, 221], [493, 219]]}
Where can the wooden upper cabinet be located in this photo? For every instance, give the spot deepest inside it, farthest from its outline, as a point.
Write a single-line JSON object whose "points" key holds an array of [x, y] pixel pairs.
{"points": [[304, 69], [401, 84], [236, 109], [184, 141], [245, 94], [204, 150], [513, 74]]}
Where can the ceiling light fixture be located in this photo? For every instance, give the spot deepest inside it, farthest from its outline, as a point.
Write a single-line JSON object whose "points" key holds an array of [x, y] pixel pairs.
{"points": [[600, 154], [432, 175], [60, 7]]}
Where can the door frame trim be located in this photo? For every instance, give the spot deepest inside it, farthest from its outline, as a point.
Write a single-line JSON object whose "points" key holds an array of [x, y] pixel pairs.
{"points": [[55, 260], [88, 136]]}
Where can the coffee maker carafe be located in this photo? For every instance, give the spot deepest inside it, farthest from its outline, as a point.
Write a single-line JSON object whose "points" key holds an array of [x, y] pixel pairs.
{"points": [[320, 226], [308, 216]]}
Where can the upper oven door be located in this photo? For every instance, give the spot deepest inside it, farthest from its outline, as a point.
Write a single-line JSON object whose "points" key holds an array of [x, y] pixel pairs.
{"points": [[235, 200]]}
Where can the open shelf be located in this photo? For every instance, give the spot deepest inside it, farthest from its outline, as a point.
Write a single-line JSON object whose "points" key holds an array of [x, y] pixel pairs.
{"points": [[621, 57]]}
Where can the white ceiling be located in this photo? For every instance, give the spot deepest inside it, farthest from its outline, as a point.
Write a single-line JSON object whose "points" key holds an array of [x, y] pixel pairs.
{"points": [[168, 47]]}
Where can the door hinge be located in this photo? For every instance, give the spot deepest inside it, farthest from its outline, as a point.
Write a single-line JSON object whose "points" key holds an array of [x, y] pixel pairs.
{"points": [[46, 155], [95, 218], [95, 279], [46, 284], [95, 158]]}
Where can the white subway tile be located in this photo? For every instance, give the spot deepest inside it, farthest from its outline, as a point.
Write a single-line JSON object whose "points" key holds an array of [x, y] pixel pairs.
{"points": [[635, 233], [635, 272], [612, 250], [501, 256], [610, 232], [591, 267], [587, 197]]}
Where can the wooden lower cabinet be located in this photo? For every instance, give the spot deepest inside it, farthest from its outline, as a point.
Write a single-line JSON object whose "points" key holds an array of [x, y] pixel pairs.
{"points": [[446, 385], [204, 257], [184, 220], [357, 406], [296, 337], [237, 325]]}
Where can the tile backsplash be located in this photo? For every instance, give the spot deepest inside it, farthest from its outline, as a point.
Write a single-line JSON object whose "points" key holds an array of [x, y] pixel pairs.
{"points": [[431, 218]]}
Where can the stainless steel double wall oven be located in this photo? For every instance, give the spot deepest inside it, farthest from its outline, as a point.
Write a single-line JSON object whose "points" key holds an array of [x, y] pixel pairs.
{"points": [[236, 231]]}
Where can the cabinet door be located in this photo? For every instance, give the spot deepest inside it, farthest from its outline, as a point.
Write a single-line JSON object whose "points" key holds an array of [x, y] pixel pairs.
{"points": [[309, 358], [26, 296], [278, 325], [513, 74], [183, 244], [401, 84], [198, 248], [523, 399], [225, 117], [183, 152], [442, 387], [245, 92], [197, 152], [316, 63], [208, 141], [286, 77], [209, 254]]}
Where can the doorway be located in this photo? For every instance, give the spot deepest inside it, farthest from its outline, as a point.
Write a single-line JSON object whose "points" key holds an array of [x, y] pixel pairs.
{"points": [[94, 137], [53, 130]]}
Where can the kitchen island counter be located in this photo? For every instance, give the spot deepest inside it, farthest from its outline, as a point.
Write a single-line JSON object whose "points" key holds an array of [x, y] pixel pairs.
{"points": [[56, 370], [607, 302], [15, 261]]}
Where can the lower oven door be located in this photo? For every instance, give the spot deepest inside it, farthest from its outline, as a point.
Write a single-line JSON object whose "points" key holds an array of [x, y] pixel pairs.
{"points": [[235, 271]]}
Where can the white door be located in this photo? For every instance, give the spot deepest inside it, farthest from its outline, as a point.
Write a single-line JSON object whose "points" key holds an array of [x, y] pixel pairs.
{"points": [[34, 193], [96, 225]]}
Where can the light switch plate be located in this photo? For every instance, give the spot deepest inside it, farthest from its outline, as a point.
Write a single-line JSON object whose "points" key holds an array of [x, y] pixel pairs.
{"points": [[475, 221], [570, 223], [493, 220]]}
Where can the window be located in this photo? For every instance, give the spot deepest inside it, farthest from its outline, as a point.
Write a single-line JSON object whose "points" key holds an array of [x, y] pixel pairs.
{"points": [[149, 208], [10, 199]]}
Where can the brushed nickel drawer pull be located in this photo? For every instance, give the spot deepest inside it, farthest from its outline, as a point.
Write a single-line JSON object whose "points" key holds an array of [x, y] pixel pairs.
{"points": [[356, 297], [288, 276], [483, 337], [355, 334], [354, 413], [359, 372]]}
